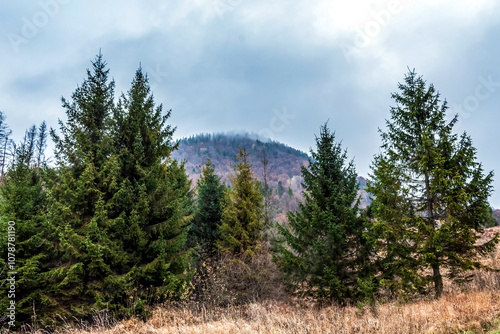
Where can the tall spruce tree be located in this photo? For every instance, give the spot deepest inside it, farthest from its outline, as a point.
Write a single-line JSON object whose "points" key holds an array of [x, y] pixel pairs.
{"points": [[79, 225], [120, 207], [209, 208], [41, 144], [23, 203], [322, 250], [430, 194], [151, 203], [242, 218], [266, 189]]}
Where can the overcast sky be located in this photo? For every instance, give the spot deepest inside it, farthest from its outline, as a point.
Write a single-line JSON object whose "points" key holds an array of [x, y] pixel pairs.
{"points": [[277, 68]]}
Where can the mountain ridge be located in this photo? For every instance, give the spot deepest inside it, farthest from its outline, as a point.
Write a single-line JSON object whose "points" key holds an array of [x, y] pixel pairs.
{"points": [[284, 175]]}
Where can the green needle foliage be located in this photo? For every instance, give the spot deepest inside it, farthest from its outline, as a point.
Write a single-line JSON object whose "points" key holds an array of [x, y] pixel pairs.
{"points": [[242, 218], [80, 228], [322, 250], [119, 209], [430, 195], [491, 220], [107, 228], [24, 202], [209, 208], [151, 202]]}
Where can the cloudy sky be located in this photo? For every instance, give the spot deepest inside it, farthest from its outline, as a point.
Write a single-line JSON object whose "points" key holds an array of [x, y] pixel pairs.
{"points": [[277, 68]]}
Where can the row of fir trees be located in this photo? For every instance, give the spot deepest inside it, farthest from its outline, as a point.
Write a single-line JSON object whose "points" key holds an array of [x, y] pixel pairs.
{"points": [[114, 223], [430, 204]]}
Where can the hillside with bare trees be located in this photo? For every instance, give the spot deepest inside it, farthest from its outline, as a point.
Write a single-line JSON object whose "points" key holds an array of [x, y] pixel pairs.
{"points": [[273, 163]]}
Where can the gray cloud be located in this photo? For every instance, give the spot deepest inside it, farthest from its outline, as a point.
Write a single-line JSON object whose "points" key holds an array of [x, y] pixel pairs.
{"points": [[241, 65]]}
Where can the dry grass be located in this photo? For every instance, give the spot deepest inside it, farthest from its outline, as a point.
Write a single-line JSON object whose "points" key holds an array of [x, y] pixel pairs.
{"points": [[454, 313], [474, 308]]}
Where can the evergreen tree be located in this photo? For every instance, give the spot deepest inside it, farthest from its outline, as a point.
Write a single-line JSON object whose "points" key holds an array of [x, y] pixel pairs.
{"points": [[23, 203], [209, 208], [265, 188], [281, 189], [430, 194], [80, 229], [242, 218], [120, 208], [491, 220], [322, 250], [41, 144], [151, 203]]}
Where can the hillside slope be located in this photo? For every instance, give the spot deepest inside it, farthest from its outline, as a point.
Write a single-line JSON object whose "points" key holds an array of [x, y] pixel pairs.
{"points": [[496, 214], [283, 170]]}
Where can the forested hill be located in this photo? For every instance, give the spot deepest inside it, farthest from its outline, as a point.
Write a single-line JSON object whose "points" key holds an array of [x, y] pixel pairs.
{"points": [[283, 171], [284, 161]]}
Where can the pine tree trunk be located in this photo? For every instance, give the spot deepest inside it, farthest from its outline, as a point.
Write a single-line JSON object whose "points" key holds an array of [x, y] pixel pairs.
{"points": [[430, 211], [438, 281]]}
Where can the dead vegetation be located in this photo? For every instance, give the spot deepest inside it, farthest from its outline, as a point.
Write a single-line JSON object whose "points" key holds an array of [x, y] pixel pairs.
{"points": [[473, 312], [472, 308]]}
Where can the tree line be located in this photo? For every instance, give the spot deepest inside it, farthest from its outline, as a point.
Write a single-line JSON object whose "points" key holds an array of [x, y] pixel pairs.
{"points": [[114, 223]]}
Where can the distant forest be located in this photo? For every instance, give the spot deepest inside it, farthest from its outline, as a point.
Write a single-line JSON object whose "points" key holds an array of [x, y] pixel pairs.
{"points": [[284, 175]]}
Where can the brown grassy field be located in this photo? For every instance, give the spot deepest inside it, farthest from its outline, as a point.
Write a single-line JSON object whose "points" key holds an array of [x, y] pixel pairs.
{"points": [[475, 312], [471, 309]]}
